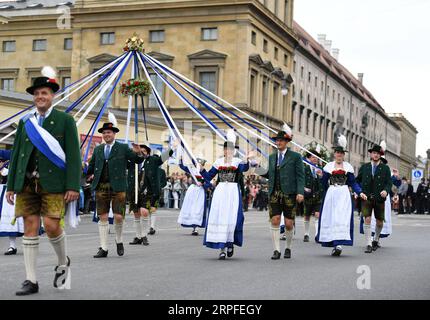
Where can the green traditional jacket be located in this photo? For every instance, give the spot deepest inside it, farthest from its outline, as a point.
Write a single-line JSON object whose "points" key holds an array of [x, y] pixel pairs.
{"points": [[372, 186], [62, 127], [117, 163], [312, 183], [292, 173], [151, 168]]}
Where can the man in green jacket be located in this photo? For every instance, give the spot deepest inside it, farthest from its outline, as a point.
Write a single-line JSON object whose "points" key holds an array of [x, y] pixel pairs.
{"points": [[43, 188], [375, 180], [149, 192], [313, 192], [286, 188], [107, 170]]}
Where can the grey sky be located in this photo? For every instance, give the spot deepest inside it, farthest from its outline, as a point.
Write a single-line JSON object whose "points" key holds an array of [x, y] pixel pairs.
{"points": [[387, 40]]}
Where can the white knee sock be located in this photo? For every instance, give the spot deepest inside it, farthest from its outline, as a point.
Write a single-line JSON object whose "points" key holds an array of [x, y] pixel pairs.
{"points": [[59, 245], [118, 232], [307, 226], [144, 222], [368, 234], [316, 226], [12, 242], [377, 232], [138, 228], [30, 247], [153, 218], [289, 234], [103, 231], [276, 234]]}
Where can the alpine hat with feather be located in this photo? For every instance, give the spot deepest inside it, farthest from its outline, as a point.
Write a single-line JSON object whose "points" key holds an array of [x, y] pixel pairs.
{"points": [[285, 134], [46, 81]]}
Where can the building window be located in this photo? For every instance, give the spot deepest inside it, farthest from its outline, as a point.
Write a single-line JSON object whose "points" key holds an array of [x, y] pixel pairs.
{"points": [[314, 125], [286, 12], [156, 36], [276, 53], [265, 95], [276, 108], [286, 60], [302, 72], [7, 84], [209, 34], [68, 44], [252, 91], [294, 66], [66, 81], [309, 77], [159, 86], [254, 38], [107, 38], [276, 7], [302, 109], [316, 81], [308, 118], [265, 45], [208, 81], [9, 46], [39, 45]]}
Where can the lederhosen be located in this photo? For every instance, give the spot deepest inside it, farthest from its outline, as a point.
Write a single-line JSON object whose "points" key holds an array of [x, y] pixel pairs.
{"points": [[280, 202]]}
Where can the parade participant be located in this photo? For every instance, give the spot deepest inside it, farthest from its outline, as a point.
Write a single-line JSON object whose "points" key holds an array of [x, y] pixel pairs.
{"points": [[313, 193], [149, 191], [8, 227], [140, 237], [193, 210], [375, 181], [107, 170], [44, 173], [286, 188], [387, 227], [421, 196], [224, 227], [336, 222]]}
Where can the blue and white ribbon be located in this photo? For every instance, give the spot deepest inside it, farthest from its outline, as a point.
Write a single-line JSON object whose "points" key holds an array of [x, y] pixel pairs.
{"points": [[50, 148], [45, 142]]}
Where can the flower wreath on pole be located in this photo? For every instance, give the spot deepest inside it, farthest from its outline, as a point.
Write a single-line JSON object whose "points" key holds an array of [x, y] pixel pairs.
{"points": [[325, 154], [134, 44], [135, 87]]}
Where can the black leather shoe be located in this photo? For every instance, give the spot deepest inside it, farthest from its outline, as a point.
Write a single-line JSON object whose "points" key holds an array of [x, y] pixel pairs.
{"points": [[145, 241], [101, 253], [276, 255], [59, 274], [287, 254], [368, 249], [136, 241], [375, 245], [221, 256], [120, 249], [230, 252], [28, 288], [151, 231], [194, 233], [306, 238], [336, 252], [10, 251]]}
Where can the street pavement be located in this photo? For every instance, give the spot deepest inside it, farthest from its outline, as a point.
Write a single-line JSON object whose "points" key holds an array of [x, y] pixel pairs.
{"points": [[177, 266]]}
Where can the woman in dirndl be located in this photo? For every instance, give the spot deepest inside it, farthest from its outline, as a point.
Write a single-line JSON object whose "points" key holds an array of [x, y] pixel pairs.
{"points": [[336, 221], [193, 210], [225, 220]]}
